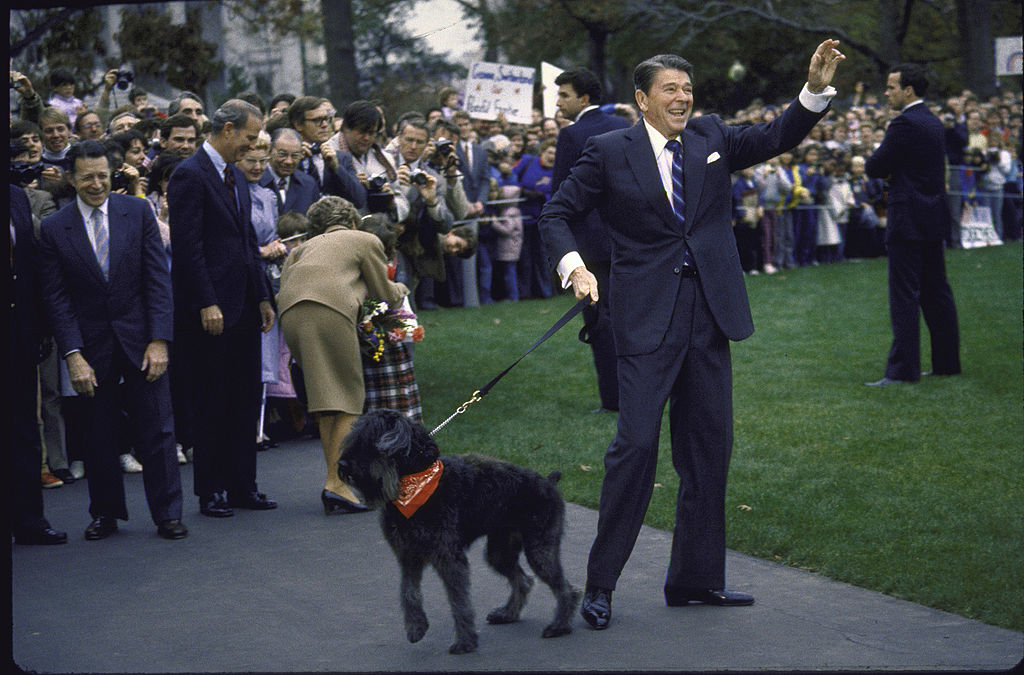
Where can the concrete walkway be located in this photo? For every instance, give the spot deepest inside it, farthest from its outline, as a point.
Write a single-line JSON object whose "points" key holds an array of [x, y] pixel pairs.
{"points": [[291, 590]]}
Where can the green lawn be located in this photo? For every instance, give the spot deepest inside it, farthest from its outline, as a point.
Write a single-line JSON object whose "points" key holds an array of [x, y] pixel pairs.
{"points": [[914, 490]]}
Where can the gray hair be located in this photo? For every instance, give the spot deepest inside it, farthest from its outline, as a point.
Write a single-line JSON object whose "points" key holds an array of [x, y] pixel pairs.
{"points": [[236, 111], [328, 212], [285, 131], [175, 104]]}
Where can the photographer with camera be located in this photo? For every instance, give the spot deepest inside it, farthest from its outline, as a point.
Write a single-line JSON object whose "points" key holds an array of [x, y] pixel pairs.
{"points": [[122, 79], [30, 104], [333, 169], [361, 122]]}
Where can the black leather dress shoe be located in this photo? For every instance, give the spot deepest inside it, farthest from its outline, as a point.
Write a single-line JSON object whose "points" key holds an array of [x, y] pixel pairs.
{"points": [[721, 598], [215, 506], [101, 527], [254, 501], [42, 536], [336, 505], [596, 609], [172, 529]]}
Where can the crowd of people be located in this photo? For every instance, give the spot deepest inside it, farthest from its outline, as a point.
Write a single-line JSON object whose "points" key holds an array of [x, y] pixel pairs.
{"points": [[449, 205]]}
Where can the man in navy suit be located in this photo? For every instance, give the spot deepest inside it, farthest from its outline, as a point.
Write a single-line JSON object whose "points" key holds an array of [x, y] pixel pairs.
{"points": [[222, 301], [107, 293], [24, 347], [912, 159], [295, 190], [663, 189], [333, 171], [579, 94], [476, 183]]}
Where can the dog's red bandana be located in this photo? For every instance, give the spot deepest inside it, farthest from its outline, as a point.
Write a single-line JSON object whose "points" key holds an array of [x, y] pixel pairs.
{"points": [[415, 489]]}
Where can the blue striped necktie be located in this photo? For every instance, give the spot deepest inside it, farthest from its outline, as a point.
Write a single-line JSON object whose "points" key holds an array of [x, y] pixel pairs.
{"points": [[99, 232], [678, 200]]}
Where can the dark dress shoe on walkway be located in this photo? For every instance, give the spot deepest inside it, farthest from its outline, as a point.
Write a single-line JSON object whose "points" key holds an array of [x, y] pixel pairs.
{"points": [[215, 506], [172, 529], [337, 505], [254, 501], [101, 527], [720, 598], [65, 475], [42, 536], [596, 609]]}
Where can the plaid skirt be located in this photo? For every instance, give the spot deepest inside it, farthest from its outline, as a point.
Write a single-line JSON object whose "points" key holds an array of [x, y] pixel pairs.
{"points": [[391, 383]]}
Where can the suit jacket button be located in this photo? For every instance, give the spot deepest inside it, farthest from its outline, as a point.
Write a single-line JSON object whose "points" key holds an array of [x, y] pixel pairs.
{"points": [[676, 270]]}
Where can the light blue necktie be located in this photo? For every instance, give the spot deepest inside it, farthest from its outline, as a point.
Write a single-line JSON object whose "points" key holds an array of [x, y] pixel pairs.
{"points": [[99, 232]]}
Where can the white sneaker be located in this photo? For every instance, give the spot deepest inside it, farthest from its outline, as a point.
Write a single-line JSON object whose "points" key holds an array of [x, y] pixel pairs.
{"points": [[78, 469], [769, 268], [182, 459], [129, 464]]}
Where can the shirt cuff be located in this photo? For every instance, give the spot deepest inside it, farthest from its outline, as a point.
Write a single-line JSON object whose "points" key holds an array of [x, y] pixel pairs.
{"points": [[567, 264], [816, 102]]}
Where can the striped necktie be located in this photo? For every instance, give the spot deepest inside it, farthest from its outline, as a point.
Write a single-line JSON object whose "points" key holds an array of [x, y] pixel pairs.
{"points": [[99, 232], [678, 200]]}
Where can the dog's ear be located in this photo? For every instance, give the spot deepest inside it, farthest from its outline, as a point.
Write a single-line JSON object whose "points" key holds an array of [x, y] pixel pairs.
{"points": [[396, 440]]}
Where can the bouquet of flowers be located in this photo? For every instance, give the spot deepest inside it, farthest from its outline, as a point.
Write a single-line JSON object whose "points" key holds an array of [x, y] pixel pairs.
{"points": [[380, 325]]}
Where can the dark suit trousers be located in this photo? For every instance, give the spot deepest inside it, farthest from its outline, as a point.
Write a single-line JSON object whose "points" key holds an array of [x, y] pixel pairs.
{"points": [[226, 394], [152, 432], [602, 341], [24, 453], [917, 279], [691, 371]]}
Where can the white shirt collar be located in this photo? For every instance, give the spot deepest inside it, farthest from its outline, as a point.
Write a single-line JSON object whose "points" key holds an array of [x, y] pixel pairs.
{"points": [[218, 161], [658, 141], [585, 111], [912, 103], [87, 210]]}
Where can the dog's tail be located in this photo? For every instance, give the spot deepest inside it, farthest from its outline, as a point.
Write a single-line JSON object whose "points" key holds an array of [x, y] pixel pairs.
{"points": [[555, 476]]}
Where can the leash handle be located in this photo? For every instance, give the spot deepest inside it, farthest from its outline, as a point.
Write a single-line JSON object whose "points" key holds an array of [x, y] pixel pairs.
{"points": [[480, 393]]}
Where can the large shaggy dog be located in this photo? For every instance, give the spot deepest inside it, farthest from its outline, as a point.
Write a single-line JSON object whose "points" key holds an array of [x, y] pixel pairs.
{"points": [[434, 507]]}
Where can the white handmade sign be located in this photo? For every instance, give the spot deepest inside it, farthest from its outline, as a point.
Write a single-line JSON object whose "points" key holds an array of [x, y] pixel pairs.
{"points": [[499, 87]]}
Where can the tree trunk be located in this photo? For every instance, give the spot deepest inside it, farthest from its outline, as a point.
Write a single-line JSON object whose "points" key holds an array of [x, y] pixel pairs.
{"points": [[974, 22], [339, 42], [596, 52], [889, 21]]}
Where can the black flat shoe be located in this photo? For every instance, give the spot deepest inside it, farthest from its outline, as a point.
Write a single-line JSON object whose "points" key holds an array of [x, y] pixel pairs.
{"points": [[101, 527], [43, 536], [254, 501], [596, 608], [172, 529], [336, 505], [720, 597], [214, 506]]}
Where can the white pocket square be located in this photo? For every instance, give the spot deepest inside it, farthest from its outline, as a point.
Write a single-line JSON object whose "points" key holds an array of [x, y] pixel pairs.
{"points": [[714, 157]]}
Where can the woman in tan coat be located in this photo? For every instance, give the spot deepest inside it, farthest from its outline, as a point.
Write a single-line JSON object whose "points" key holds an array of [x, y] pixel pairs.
{"points": [[323, 283]]}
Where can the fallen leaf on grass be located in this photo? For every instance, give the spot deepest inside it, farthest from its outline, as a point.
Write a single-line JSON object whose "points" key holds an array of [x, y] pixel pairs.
{"points": [[658, 485], [584, 467], [744, 507], [497, 321]]}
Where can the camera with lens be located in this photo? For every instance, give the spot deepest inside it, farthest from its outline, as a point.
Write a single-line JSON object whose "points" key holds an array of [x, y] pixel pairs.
{"points": [[444, 148], [124, 79], [418, 177], [119, 180], [23, 173], [377, 200]]}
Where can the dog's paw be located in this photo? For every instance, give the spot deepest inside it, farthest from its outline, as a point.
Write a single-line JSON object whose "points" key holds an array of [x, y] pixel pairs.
{"points": [[556, 631], [415, 630], [500, 615], [464, 646]]}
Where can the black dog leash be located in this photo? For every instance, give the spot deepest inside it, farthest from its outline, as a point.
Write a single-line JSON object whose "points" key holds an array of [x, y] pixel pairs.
{"points": [[480, 393]]}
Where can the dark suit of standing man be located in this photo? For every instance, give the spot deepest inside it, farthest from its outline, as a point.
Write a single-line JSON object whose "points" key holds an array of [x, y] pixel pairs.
{"points": [[679, 297], [912, 158], [334, 172], [579, 94], [221, 302], [107, 293], [25, 322], [476, 183]]}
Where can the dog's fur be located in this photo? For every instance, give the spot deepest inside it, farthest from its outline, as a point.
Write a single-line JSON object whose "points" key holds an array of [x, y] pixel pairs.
{"points": [[515, 508]]}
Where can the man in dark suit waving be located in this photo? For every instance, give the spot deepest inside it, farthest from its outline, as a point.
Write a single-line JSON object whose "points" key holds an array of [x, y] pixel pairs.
{"points": [[912, 159], [663, 189], [579, 94], [221, 302], [108, 297]]}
